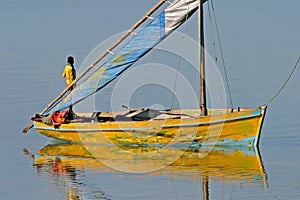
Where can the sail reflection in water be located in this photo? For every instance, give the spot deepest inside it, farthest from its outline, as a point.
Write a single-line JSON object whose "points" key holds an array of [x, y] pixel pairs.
{"points": [[65, 164]]}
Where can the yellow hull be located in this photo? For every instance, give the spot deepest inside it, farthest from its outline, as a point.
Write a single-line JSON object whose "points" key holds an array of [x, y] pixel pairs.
{"points": [[241, 128]]}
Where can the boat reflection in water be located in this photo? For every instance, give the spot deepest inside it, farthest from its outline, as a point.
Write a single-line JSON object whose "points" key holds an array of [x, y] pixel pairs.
{"points": [[65, 164]]}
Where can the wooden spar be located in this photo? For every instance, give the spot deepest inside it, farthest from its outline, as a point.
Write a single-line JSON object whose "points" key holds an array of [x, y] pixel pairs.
{"points": [[202, 60], [150, 12]]}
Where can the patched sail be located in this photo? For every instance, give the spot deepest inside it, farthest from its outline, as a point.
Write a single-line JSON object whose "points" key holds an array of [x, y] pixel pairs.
{"points": [[159, 28]]}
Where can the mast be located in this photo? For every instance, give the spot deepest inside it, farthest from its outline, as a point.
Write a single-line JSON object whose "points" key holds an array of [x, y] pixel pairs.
{"points": [[202, 60], [205, 189]]}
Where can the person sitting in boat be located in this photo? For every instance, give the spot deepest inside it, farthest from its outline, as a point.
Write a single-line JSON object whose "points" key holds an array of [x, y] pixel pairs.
{"points": [[69, 72], [57, 118]]}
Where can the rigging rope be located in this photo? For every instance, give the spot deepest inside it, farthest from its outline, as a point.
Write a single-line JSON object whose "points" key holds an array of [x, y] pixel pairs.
{"points": [[221, 52], [178, 62], [212, 34], [284, 84]]}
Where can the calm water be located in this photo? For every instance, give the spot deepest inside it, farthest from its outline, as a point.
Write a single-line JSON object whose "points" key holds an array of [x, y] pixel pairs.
{"points": [[260, 43]]}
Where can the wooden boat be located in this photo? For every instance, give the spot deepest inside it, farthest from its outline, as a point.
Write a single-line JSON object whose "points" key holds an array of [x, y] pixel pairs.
{"points": [[144, 126], [238, 128]]}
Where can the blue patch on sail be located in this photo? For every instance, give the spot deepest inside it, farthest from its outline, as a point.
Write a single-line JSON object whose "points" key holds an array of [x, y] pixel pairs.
{"points": [[131, 52]]}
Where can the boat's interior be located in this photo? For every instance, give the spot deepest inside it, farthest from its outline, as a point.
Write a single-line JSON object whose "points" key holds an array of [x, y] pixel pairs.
{"points": [[147, 114]]}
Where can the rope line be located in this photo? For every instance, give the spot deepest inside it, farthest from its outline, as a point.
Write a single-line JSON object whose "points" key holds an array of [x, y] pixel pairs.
{"points": [[283, 86], [178, 62], [221, 53], [212, 34]]}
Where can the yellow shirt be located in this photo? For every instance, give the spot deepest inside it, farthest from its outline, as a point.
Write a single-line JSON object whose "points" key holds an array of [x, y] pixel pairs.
{"points": [[69, 73]]}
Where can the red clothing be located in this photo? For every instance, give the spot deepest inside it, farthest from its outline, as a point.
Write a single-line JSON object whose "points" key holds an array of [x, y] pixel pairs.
{"points": [[58, 117]]}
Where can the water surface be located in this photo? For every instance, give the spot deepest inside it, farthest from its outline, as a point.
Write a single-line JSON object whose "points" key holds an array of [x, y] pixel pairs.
{"points": [[260, 43]]}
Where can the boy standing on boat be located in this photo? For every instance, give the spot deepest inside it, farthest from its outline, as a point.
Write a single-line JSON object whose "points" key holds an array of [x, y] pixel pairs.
{"points": [[69, 72]]}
